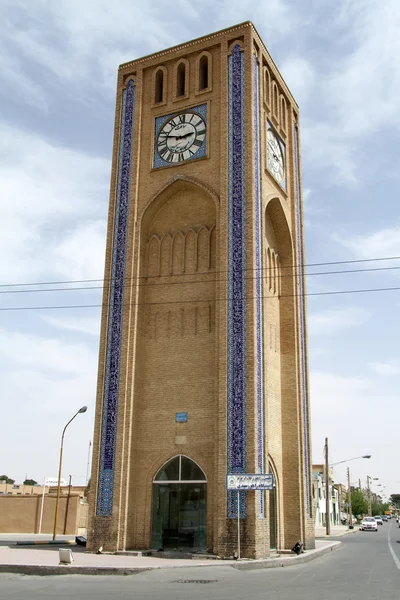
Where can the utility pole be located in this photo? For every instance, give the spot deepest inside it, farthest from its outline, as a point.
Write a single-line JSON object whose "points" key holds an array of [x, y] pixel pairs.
{"points": [[369, 497], [350, 508], [327, 498]]}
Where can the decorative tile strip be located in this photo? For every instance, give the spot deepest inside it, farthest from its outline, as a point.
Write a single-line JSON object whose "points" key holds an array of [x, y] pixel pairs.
{"points": [[303, 374], [259, 280], [236, 280], [105, 489]]}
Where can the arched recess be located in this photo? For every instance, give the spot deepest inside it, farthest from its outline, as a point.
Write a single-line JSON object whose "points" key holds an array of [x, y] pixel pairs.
{"points": [[179, 506], [204, 72], [181, 74], [173, 344], [282, 431], [267, 86], [273, 497], [283, 119], [160, 85], [275, 101]]}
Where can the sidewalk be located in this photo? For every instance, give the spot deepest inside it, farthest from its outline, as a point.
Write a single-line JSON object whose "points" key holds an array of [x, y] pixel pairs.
{"points": [[336, 531], [45, 561]]}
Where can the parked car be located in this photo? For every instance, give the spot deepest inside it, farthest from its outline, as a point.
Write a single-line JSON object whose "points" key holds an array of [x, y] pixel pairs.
{"points": [[378, 519], [369, 524]]}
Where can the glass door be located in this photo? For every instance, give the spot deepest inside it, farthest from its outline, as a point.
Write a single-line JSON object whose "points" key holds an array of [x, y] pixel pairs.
{"points": [[179, 507]]}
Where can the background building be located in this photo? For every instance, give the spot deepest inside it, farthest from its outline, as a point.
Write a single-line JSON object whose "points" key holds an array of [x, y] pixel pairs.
{"points": [[203, 359]]}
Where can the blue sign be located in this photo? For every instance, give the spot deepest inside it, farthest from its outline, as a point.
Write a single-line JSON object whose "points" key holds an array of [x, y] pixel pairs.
{"points": [[181, 417]]}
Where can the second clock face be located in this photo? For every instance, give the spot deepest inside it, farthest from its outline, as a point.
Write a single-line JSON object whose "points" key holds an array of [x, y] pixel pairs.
{"points": [[275, 158], [181, 137]]}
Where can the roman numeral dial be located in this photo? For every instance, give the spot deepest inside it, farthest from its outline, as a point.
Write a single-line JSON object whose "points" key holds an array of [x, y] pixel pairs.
{"points": [[181, 137]]}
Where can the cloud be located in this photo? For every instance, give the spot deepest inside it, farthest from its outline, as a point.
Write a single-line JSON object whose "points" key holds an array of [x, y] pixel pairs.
{"points": [[88, 325], [358, 90], [52, 198], [299, 74], [335, 320], [77, 46], [53, 355], [380, 244], [388, 368]]}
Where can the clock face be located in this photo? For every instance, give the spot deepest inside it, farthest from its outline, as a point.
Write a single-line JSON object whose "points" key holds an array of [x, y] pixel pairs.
{"points": [[275, 159], [181, 137]]}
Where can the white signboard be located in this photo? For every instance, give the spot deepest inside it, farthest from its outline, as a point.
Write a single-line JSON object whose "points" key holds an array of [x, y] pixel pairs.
{"points": [[249, 481], [54, 481]]}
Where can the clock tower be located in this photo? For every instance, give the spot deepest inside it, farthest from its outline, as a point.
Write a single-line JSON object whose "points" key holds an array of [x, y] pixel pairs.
{"points": [[203, 349]]}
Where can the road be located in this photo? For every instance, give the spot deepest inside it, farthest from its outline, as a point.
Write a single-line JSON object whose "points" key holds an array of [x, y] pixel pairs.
{"points": [[366, 568]]}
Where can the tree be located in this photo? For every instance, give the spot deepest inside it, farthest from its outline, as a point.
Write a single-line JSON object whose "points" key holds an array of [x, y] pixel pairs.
{"points": [[6, 479], [359, 504], [30, 482], [395, 499], [377, 508]]}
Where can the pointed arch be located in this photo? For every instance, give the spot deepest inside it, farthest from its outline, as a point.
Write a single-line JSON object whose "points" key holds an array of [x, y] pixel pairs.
{"points": [[180, 468], [153, 256], [165, 254], [178, 250], [190, 251]]}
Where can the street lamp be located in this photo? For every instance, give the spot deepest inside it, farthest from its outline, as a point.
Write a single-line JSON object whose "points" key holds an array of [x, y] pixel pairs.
{"points": [[369, 478], [327, 499], [81, 410]]}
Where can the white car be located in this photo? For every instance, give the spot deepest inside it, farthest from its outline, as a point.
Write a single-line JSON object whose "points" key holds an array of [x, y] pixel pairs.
{"points": [[369, 524], [378, 519]]}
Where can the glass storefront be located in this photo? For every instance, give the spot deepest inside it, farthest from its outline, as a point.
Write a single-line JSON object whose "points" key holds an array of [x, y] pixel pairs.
{"points": [[179, 507]]}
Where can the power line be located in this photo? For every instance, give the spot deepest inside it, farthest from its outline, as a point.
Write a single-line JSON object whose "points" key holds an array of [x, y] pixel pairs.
{"points": [[293, 266], [209, 300], [191, 282]]}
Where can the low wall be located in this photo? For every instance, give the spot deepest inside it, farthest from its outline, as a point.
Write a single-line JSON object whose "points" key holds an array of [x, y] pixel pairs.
{"points": [[21, 514]]}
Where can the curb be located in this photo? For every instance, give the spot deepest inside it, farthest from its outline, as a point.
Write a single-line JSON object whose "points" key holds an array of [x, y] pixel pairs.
{"points": [[290, 561], [47, 543]]}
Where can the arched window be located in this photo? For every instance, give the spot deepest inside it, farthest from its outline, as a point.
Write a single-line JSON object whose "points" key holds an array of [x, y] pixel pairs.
{"points": [[181, 80], [180, 468], [203, 73], [283, 113], [275, 105], [159, 87], [267, 86]]}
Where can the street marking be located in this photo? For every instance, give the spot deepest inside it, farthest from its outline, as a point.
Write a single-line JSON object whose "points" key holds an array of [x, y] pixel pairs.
{"points": [[396, 560]]}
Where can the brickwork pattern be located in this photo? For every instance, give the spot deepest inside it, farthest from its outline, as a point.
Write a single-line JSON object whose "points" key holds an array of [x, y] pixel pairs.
{"points": [[175, 326]]}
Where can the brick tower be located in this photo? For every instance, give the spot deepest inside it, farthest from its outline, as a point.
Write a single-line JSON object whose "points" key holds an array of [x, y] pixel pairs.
{"points": [[203, 358]]}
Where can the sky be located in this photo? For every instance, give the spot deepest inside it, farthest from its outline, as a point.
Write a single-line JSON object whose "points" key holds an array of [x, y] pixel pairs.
{"points": [[58, 69]]}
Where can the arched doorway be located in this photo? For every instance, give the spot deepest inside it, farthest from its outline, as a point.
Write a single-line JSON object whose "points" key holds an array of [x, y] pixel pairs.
{"points": [[179, 506]]}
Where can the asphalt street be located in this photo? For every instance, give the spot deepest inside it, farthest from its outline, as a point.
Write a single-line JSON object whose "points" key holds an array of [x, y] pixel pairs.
{"points": [[367, 567]]}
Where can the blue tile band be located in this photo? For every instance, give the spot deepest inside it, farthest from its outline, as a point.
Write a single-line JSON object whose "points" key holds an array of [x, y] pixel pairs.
{"points": [[259, 280], [236, 462], [303, 374], [105, 488]]}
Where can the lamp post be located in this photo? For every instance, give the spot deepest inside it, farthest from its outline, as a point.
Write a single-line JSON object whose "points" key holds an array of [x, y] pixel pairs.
{"points": [[81, 410], [327, 481], [369, 478]]}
